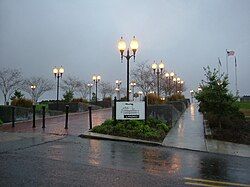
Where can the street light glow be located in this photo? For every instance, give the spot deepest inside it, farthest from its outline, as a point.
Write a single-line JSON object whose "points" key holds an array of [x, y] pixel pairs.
{"points": [[121, 45], [134, 44]]}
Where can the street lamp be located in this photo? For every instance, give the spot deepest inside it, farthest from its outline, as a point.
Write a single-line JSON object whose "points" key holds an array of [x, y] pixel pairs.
{"points": [[158, 68], [140, 94], [118, 92], [89, 86], [33, 87], [58, 72], [117, 89], [181, 85], [192, 95], [133, 84], [167, 75], [96, 79], [122, 47]]}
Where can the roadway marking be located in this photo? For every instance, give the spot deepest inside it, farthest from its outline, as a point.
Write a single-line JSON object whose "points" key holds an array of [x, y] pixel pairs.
{"points": [[200, 182]]}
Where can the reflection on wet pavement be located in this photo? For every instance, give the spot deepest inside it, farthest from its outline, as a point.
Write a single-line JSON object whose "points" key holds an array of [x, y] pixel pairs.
{"points": [[188, 132], [78, 123], [154, 161]]}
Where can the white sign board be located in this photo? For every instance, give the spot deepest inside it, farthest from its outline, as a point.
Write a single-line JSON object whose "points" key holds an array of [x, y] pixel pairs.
{"points": [[130, 110]]}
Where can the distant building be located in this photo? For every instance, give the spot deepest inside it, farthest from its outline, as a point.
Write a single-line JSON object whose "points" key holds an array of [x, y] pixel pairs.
{"points": [[245, 98]]}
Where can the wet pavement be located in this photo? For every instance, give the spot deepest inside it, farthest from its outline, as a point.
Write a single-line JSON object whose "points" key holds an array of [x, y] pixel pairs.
{"points": [[188, 132], [78, 123], [73, 161]]}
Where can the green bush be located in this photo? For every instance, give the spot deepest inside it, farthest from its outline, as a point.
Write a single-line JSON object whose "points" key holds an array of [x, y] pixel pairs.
{"points": [[176, 97], [154, 129], [1, 122], [217, 104], [22, 102]]}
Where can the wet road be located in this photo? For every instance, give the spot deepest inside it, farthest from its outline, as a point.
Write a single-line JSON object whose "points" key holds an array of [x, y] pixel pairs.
{"points": [[73, 161], [78, 123]]}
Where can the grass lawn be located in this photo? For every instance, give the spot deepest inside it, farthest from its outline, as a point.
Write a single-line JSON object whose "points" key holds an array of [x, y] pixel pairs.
{"points": [[245, 109], [244, 105]]}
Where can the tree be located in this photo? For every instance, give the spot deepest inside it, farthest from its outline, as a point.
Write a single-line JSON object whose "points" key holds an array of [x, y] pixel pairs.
{"points": [[144, 77], [17, 95], [83, 89], [68, 96], [215, 100], [42, 86], [71, 83], [10, 80], [106, 88]]}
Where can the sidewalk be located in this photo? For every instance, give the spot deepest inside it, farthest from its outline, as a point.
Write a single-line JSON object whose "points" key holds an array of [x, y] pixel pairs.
{"points": [[78, 123], [188, 133]]}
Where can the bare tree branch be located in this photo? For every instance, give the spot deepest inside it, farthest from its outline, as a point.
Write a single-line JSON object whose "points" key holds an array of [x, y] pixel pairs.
{"points": [[71, 83], [144, 77], [106, 88], [10, 80], [42, 86]]}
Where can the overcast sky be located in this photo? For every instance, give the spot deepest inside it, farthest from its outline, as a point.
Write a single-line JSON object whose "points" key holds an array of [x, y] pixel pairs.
{"points": [[81, 35]]}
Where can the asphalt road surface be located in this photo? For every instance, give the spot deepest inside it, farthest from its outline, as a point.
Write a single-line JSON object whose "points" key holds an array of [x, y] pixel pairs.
{"points": [[46, 160]]}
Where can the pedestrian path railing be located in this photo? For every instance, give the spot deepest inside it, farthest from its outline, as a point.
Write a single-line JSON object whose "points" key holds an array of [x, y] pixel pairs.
{"points": [[170, 112]]}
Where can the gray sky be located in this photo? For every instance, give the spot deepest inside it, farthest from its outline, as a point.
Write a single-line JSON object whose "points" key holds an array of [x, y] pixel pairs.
{"points": [[82, 36]]}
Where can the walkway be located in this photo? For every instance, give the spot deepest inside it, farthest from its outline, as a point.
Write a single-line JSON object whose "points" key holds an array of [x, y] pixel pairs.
{"points": [[188, 132], [78, 123]]}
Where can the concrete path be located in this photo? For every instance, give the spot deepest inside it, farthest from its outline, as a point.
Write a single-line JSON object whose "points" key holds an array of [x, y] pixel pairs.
{"points": [[188, 132]]}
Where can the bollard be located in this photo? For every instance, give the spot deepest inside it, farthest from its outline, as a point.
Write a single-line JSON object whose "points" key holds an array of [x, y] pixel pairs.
{"points": [[67, 117], [43, 108], [115, 111], [34, 116], [90, 117], [13, 116], [146, 109]]}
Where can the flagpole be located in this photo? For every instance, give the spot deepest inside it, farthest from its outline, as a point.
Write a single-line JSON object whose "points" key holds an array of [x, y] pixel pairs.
{"points": [[219, 65], [236, 80], [227, 61]]}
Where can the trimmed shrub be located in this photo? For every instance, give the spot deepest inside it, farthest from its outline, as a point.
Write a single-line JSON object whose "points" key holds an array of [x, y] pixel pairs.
{"points": [[22, 102], [154, 129]]}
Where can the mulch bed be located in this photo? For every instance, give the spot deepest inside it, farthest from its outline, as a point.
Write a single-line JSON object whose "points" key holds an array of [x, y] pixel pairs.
{"points": [[237, 134]]}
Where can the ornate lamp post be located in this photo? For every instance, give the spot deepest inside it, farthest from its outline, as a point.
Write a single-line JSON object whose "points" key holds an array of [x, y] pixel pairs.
{"points": [[33, 87], [90, 88], [118, 87], [158, 70], [122, 47], [58, 72], [96, 79], [192, 95], [133, 84], [140, 94], [181, 85]]}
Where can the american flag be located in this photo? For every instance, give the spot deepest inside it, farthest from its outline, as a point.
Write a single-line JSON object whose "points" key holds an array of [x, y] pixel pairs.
{"points": [[230, 53]]}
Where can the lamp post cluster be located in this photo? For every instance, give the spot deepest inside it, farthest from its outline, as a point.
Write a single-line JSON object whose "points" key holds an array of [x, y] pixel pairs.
{"points": [[174, 83], [122, 47], [133, 84], [90, 90], [58, 72], [33, 87], [118, 88], [158, 69], [96, 79]]}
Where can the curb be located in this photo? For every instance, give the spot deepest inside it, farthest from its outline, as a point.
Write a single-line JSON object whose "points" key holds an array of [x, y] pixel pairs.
{"points": [[92, 135]]}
